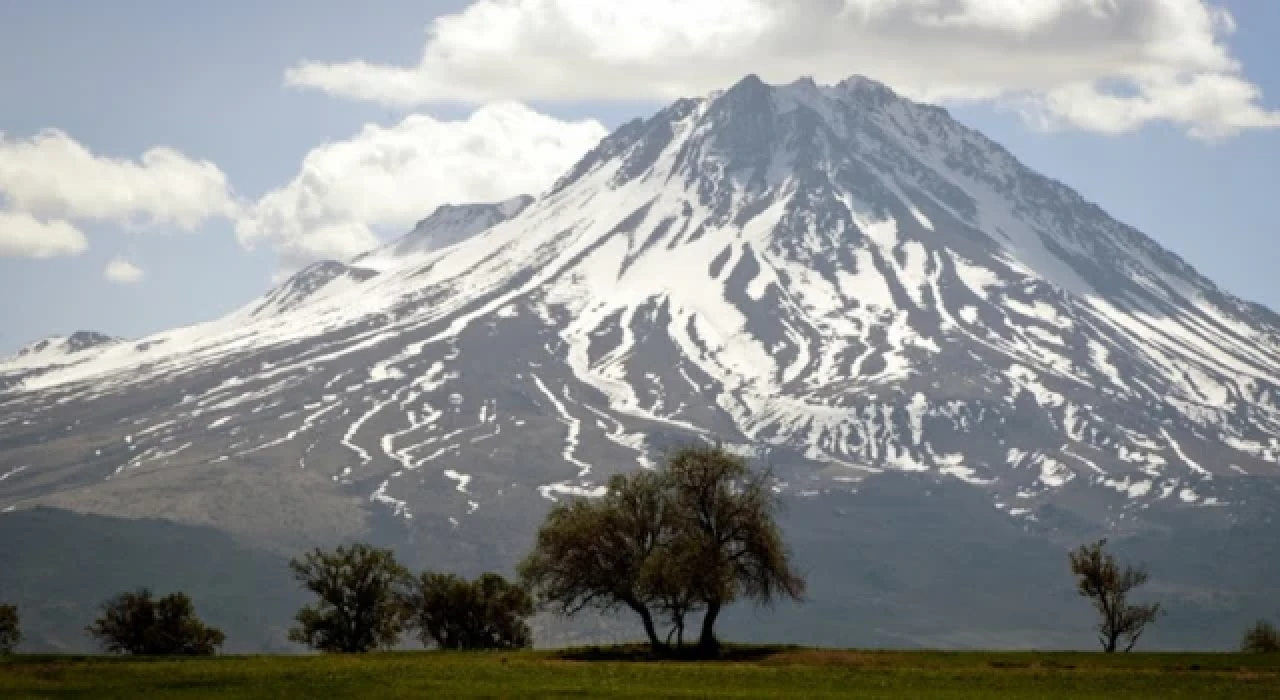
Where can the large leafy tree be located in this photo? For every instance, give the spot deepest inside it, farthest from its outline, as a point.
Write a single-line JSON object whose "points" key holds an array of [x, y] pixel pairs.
{"points": [[136, 623], [451, 612], [601, 553], [723, 524], [693, 536], [1101, 579], [359, 590], [10, 629]]}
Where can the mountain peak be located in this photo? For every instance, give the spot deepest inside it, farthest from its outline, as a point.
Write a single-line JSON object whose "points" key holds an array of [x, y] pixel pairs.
{"points": [[329, 276], [52, 352], [83, 340], [861, 84], [59, 345], [750, 84], [447, 225]]}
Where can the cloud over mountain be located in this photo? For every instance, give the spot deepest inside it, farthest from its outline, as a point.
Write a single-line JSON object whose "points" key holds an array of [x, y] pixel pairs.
{"points": [[390, 176], [1099, 65]]}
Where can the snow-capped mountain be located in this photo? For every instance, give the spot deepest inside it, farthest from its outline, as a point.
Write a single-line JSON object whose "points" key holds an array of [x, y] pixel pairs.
{"points": [[328, 278], [55, 351], [47, 351], [838, 280], [448, 225]]}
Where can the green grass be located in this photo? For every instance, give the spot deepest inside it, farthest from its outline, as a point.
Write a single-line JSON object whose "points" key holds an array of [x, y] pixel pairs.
{"points": [[754, 673]]}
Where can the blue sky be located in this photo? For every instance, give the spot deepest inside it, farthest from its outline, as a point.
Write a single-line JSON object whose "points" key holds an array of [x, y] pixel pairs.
{"points": [[209, 80]]}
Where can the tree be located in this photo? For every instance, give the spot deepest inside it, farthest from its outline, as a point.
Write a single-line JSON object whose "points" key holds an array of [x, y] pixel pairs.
{"points": [[1262, 638], [135, 623], [599, 553], [693, 536], [454, 613], [723, 518], [1101, 579], [10, 629], [359, 608], [667, 577]]}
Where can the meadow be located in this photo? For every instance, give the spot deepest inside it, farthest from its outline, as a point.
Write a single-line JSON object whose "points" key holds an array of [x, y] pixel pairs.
{"points": [[748, 673]]}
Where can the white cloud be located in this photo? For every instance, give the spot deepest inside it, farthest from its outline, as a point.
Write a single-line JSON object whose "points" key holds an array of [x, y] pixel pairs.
{"points": [[121, 271], [52, 176], [1104, 65], [25, 236], [390, 177]]}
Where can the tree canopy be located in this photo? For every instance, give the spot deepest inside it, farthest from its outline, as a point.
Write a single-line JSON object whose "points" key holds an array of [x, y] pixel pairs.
{"points": [[725, 535], [1261, 638], [451, 612], [690, 537], [135, 623], [359, 606]]}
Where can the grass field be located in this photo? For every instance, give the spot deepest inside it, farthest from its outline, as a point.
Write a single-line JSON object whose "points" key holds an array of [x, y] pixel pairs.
{"points": [[756, 673]]}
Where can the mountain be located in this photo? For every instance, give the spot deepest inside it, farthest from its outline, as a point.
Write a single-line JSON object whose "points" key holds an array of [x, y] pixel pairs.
{"points": [[323, 279], [881, 304], [55, 348], [448, 224], [54, 351]]}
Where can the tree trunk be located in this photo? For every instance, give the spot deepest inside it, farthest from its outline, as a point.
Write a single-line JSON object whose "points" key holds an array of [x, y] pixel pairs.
{"points": [[650, 631], [707, 642]]}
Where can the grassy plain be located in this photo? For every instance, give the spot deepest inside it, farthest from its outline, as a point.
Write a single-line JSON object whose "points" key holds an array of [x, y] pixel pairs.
{"points": [[750, 673]]}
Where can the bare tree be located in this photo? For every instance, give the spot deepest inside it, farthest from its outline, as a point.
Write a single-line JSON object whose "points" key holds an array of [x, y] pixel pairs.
{"points": [[1101, 579]]}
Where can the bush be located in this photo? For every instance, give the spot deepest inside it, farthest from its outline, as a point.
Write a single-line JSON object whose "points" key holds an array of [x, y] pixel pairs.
{"points": [[1262, 638], [451, 612], [135, 623], [10, 629]]}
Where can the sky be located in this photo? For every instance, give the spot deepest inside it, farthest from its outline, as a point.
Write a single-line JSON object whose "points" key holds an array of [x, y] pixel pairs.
{"points": [[164, 163]]}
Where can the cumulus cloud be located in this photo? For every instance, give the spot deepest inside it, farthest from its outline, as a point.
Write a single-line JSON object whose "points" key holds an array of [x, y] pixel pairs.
{"points": [[25, 236], [52, 175], [1103, 65], [388, 177], [50, 179], [121, 271]]}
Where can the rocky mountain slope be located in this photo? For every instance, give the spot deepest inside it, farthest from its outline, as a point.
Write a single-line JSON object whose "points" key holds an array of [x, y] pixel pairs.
{"points": [[843, 283]]}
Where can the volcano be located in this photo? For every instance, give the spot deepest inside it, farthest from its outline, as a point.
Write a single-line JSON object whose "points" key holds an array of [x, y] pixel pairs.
{"points": [[955, 368]]}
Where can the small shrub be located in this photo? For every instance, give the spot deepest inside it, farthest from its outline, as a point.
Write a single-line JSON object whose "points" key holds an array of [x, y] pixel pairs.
{"points": [[135, 623], [1261, 638], [10, 629]]}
